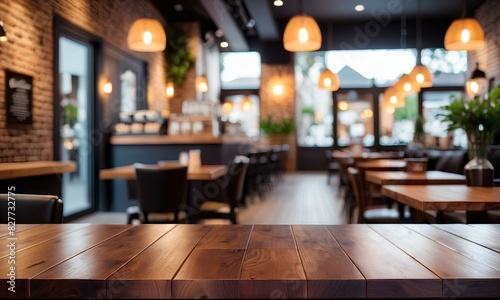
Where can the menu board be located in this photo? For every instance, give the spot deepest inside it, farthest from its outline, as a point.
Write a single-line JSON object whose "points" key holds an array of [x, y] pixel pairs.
{"points": [[19, 92]]}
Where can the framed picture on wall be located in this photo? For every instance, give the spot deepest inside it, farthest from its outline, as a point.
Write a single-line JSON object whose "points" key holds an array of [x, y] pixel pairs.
{"points": [[19, 102]]}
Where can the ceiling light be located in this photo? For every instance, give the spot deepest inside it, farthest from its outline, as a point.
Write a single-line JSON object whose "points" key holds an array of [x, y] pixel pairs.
{"points": [[3, 34], [328, 80], [170, 90], [219, 33], [224, 44], [278, 3], [359, 7], [147, 35], [302, 34], [108, 87], [464, 33], [178, 7], [393, 97], [201, 83], [246, 104], [421, 75], [477, 85]]}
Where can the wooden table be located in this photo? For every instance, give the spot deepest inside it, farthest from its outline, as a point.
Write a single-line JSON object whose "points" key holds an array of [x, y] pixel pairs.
{"points": [[413, 178], [254, 261], [382, 165], [35, 177], [367, 155], [207, 172], [474, 200]]}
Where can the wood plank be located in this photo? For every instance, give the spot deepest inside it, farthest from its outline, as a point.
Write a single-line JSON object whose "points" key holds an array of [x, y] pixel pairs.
{"points": [[35, 168], [329, 271], [30, 238], [206, 172], [164, 139], [390, 272], [483, 237], [4, 230], [272, 236], [209, 273], [471, 250], [272, 273], [35, 260], [150, 274], [214, 267], [85, 275], [226, 237], [491, 227], [462, 276]]}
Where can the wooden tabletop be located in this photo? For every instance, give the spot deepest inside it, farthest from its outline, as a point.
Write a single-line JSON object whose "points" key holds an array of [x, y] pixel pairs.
{"points": [[207, 172], [445, 197], [382, 165], [413, 178], [255, 261], [35, 168], [367, 155]]}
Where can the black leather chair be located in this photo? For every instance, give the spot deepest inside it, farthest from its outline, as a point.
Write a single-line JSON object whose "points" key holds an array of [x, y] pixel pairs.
{"points": [[31, 209], [225, 204], [161, 192]]}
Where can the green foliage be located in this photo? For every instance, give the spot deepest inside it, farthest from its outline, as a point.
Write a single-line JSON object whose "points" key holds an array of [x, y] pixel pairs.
{"points": [[308, 110], [270, 126], [469, 115], [179, 58], [409, 111]]}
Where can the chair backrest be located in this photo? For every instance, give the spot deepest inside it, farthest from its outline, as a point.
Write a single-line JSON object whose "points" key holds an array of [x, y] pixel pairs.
{"points": [[237, 169], [31, 209], [358, 188], [161, 189]]}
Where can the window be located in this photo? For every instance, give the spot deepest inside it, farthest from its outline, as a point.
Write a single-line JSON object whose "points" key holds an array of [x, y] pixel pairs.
{"points": [[240, 70]]}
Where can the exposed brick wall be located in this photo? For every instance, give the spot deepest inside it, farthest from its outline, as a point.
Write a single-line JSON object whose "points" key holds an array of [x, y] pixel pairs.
{"points": [[279, 106], [29, 25], [488, 57]]}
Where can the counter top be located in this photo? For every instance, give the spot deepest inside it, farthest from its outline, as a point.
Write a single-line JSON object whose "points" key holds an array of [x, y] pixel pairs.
{"points": [[35, 168], [179, 139], [254, 261]]}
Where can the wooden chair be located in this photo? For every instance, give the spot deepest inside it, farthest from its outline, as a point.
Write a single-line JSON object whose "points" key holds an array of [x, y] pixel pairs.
{"points": [[31, 209], [225, 204], [332, 165], [161, 192], [367, 213]]}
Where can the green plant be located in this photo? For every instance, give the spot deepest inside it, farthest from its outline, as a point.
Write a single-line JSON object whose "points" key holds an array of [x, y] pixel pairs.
{"points": [[270, 126], [480, 119], [179, 59]]}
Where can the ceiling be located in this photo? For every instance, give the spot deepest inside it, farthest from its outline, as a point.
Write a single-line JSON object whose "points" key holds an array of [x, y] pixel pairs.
{"points": [[244, 21]]}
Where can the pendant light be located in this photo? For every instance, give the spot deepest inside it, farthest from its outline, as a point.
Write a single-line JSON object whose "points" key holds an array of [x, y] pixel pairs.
{"points": [[327, 79], [170, 90], [464, 33], [201, 83], [302, 33], [147, 35], [420, 73], [246, 104], [393, 97], [3, 33], [477, 85]]}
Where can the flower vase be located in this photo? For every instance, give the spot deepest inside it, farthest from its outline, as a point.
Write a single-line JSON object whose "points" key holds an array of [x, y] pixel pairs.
{"points": [[479, 171]]}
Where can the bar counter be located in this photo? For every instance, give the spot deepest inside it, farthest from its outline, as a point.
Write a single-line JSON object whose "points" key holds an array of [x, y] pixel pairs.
{"points": [[253, 261]]}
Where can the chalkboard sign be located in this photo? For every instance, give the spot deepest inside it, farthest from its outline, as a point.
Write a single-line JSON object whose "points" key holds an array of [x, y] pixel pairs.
{"points": [[19, 92]]}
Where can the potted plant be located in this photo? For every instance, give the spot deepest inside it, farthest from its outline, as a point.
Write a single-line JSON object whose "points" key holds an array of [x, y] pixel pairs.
{"points": [[480, 119], [277, 130]]}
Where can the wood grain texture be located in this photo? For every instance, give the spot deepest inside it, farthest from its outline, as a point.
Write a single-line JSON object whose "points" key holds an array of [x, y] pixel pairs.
{"points": [[469, 278], [85, 274], [4, 230], [400, 177], [445, 197], [150, 274], [40, 234], [226, 237], [272, 236], [42, 256], [470, 249], [35, 168], [329, 271], [491, 227], [272, 273], [389, 272], [482, 236], [209, 273]]}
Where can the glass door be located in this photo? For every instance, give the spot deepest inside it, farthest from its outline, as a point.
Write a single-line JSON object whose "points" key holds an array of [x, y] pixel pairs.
{"points": [[76, 81]]}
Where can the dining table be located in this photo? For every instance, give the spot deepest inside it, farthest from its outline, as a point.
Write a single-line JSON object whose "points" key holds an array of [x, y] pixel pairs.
{"points": [[381, 165], [249, 261], [474, 200]]}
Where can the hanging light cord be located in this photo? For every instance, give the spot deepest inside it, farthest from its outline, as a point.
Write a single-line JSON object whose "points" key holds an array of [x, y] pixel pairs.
{"points": [[464, 9]]}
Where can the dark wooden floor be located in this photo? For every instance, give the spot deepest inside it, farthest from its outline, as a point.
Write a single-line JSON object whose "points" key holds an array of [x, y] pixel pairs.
{"points": [[303, 197]]}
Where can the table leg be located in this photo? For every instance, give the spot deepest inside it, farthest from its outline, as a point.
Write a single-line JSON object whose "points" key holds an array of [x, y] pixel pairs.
{"points": [[476, 217]]}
